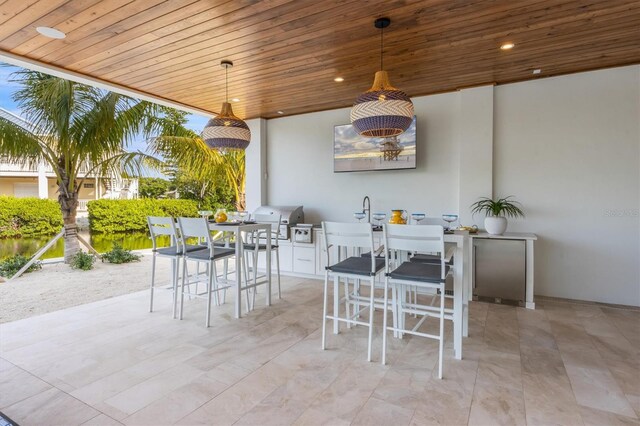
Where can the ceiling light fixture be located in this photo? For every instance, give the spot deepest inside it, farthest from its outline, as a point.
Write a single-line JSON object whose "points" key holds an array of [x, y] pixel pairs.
{"points": [[537, 71], [383, 110], [338, 79], [51, 32], [226, 131], [235, 100], [507, 46], [280, 112]]}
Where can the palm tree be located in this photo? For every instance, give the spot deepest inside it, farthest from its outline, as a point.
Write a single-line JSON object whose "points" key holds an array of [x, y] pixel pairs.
{"points": [[233, 164], [79, 127], [190, 155]]}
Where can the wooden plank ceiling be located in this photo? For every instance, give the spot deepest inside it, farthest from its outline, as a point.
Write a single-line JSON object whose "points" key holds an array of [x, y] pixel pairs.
{"points": [[288, 52]]}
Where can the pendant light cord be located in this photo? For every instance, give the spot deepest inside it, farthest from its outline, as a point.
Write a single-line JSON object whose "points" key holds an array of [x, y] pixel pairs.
{"points": [[226, 82], [381, 48]]}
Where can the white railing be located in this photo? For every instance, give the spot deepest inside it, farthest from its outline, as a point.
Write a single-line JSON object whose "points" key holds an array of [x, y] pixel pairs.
{"points": [[82, 205], [8, 166]]}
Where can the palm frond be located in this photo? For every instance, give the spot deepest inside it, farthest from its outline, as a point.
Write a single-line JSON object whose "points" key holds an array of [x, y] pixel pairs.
{"points": [[23, 147], [500, 207], [127, 164]]}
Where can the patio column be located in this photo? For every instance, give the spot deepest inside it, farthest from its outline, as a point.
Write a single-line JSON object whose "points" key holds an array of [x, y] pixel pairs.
{"points": [[256, 165], [43, 183], [476, 148]]}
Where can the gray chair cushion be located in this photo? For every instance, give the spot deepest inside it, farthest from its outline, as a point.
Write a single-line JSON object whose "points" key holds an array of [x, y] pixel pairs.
{"points": [[428, 258], [205, 254], [261, 247], [357, 266], [416, 271], [176, 251], [368, 254]]}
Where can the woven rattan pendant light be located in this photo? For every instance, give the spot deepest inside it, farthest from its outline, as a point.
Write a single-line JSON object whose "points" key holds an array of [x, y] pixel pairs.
{"points": [[226, 131], [382, 111]]}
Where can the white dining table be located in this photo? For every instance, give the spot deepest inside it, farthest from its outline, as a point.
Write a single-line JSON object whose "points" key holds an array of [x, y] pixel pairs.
{"points": [[238, 229]]}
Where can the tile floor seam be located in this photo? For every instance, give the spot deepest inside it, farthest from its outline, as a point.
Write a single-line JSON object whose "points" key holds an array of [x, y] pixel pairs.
{"points": [[573, 393], [167, 350], [38, 378]]}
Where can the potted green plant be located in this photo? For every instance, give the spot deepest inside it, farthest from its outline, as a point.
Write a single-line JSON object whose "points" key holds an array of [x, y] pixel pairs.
{"points": [[496, 212]]}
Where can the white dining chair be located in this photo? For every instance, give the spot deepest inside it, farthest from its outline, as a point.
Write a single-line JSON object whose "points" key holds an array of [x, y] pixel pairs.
{"points": [[198, 228], [350, 237], [160, 226], [255, 244], [403, 240]]}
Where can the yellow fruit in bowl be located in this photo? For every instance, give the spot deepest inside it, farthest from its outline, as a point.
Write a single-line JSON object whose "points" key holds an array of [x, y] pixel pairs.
{"points": [[220, 217]]}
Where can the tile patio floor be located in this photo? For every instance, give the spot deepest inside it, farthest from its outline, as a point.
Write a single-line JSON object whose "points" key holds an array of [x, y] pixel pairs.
{"points": [[111, 363]]}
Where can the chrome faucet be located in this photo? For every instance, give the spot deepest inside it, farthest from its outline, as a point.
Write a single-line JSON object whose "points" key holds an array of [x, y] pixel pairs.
{"points": [[367, 202]]}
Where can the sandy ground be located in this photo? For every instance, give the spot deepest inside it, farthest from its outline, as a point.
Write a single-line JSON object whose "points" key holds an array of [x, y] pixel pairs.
{"points": [[57, 286]]}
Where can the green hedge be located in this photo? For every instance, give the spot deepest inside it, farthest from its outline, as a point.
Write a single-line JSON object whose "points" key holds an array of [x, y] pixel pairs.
{"points": [[29, 217], [131, 215]]}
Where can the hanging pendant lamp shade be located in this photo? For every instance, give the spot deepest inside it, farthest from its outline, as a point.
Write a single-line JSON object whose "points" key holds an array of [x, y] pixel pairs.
{"points": [[226, 131], [383, 110]]}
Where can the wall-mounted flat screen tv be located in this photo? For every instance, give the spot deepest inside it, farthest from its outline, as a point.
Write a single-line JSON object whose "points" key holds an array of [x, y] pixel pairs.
{"points": [[354, 153]]}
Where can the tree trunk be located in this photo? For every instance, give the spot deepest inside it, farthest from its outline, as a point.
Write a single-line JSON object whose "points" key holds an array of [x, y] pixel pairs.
{"points": [[241, 202], [69, 206]]}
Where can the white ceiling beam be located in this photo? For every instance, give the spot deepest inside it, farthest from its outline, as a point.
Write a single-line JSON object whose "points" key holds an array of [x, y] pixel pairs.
{"points": [[34, 65]]}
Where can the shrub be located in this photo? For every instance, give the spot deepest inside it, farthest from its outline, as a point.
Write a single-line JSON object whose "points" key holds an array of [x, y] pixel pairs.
{"points": [[153, 187], [83, 261], [11, 265], [131, 215], [29, 217], [119, 255]]}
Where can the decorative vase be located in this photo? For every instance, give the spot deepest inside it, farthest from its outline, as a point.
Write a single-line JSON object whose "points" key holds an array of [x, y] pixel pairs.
{"points": [[495, 225], [398, 217]]}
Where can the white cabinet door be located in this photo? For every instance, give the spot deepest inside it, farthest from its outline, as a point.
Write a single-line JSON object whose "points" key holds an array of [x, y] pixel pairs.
{"points": [[304, 259]]}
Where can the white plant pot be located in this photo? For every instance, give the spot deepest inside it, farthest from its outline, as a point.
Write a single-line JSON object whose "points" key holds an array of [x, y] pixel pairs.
{"points": [[495, 225]]}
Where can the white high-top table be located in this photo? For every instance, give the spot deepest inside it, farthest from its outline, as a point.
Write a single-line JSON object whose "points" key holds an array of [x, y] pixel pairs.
{"points": [[238, 229]]}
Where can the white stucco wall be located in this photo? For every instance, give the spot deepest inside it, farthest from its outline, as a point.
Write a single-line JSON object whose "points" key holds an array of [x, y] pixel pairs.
{"points": [[567, 147]]}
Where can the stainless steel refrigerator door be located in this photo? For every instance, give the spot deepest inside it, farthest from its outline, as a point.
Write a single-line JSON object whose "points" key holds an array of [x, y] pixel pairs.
{"points": [[500, 268]]}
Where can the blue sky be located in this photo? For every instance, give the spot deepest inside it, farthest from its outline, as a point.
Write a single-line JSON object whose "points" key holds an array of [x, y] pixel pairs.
{"points": [[196, 122]]}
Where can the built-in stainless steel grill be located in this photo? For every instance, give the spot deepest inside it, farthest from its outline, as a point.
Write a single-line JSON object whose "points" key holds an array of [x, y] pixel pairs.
{"points": [[290, 216]]}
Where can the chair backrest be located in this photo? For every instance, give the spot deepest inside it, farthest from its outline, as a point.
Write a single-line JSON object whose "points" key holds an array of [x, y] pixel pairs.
{"points": [[422, 238], [348, 235], [194, 227], [159, 225], [414, 238]]}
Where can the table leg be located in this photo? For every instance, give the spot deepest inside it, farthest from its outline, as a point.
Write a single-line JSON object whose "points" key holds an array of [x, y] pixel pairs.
{"points": [[238, 275], [268, 261], [467, 284], [458, 296]]}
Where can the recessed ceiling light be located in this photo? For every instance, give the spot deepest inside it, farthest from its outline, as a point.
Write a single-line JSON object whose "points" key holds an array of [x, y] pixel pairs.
{"points": [[537, 71], [51, 32], [338, 79], [507, 46], [280, 112], [235, 100]]}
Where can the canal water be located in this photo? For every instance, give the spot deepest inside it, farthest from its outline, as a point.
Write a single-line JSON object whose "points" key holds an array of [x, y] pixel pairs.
{"points": [[101, 242]]}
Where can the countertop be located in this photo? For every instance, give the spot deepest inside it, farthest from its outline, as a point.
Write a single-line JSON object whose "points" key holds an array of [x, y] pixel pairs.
{"points": [[506, 236]]}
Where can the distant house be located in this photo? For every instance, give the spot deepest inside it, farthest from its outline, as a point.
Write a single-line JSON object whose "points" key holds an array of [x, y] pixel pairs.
{"points": [[40, 181]]}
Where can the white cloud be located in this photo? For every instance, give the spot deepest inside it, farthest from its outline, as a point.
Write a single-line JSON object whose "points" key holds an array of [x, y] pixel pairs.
{"points": [[364, 146]]}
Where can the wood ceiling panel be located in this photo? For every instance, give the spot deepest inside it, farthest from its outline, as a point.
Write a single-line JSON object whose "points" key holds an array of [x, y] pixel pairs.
{"points": [[287, 52]]}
